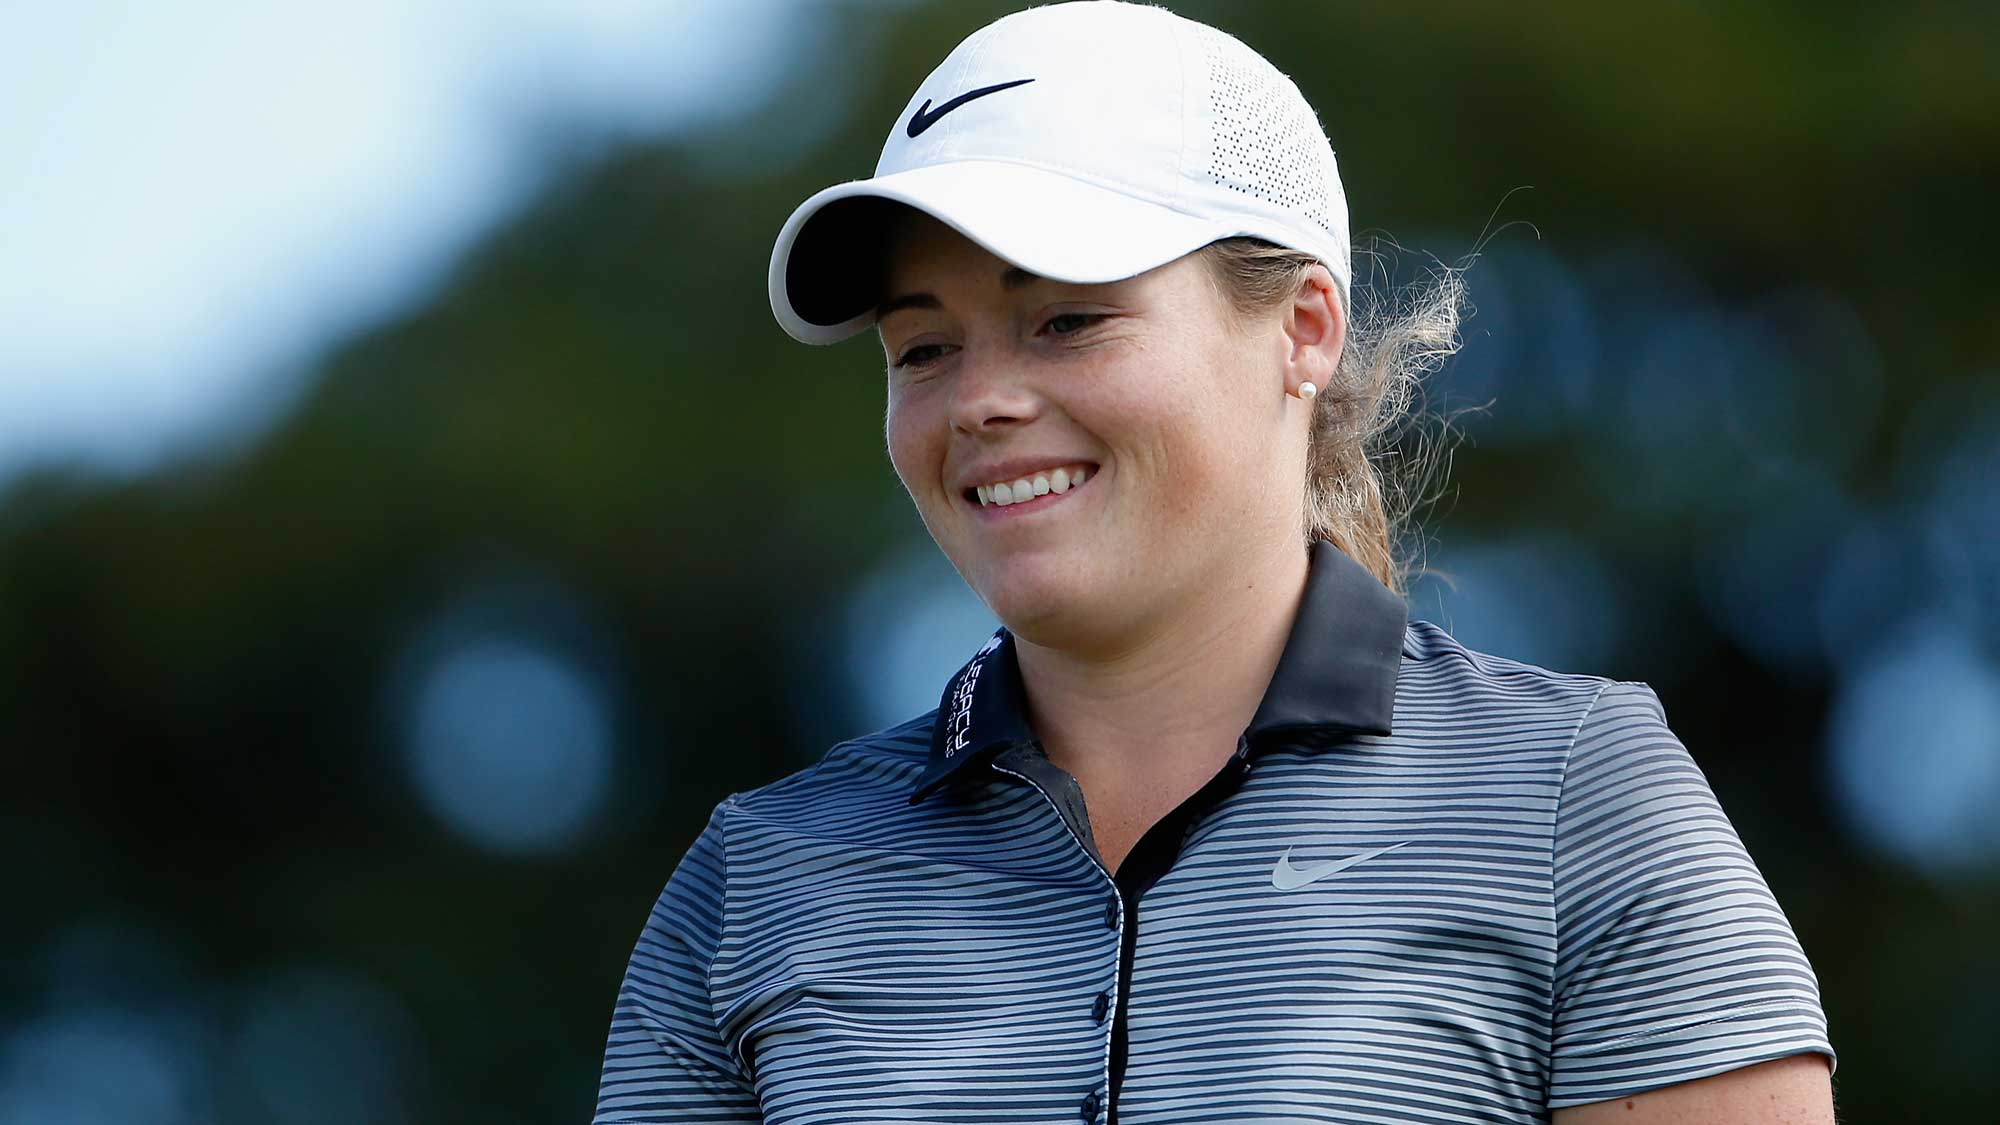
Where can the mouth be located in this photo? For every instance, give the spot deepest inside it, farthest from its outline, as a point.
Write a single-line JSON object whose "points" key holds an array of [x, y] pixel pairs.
{"points": [[1030, 493]]}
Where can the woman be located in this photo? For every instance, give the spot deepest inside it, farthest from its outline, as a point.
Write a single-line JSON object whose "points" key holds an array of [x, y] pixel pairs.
{"points": [[1209, 830]]}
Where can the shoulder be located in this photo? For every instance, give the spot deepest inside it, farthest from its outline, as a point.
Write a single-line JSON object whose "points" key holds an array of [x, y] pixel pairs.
{"points": [[856, 782], [1443, 682], [879, 766]]}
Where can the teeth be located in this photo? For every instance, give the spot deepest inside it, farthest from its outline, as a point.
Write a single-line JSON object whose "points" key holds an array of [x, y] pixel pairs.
{"points": [[1007, 492]]}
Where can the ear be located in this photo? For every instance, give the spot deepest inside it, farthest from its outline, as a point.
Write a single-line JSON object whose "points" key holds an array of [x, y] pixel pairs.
{"points": [[1314, 331]]}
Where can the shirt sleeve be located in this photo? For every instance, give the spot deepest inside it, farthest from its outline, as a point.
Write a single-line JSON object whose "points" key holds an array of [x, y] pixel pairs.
{"points": [[1673, 960], [665, 1061]]}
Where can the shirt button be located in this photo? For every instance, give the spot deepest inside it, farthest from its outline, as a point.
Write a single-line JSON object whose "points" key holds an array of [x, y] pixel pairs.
{"points": [[1111, 915], [1100, 1006], [1090, 1105]]}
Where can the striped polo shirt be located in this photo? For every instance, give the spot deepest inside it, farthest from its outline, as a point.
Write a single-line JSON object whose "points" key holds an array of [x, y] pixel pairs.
{"points": [[1430, 885]]}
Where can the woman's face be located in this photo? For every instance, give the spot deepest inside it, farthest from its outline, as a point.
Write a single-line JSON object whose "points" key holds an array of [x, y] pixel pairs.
{"points": [[1176, 412]]}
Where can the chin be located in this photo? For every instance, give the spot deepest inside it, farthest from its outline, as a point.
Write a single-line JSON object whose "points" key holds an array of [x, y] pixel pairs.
{"points": [[1028, 592], [1072, 614]]}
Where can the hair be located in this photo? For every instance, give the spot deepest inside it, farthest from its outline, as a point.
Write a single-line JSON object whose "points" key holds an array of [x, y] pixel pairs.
{"points": [[1371, 451]]}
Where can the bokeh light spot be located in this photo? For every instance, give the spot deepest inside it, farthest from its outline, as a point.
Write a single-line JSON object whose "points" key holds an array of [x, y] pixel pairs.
{"points": [[510, 743], [1542, 599], [1914, 749], [98, 1067], [911, 623]]}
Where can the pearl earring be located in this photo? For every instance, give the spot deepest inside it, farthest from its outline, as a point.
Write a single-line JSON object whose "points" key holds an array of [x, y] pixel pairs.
{"points": [[1307, 391]]}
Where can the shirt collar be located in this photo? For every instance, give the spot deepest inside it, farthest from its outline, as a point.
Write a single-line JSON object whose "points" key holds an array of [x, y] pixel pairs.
{"points": [[1337, 673]]}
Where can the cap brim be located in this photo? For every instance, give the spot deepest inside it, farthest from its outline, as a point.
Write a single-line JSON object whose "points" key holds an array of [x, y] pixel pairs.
{"points": [[827, 267]]}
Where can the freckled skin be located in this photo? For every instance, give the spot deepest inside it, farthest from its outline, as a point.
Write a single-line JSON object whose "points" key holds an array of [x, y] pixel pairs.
{"points": [[1181, 406], [1795, 1090]]}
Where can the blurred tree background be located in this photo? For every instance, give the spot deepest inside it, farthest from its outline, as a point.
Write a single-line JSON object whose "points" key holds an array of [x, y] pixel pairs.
{"points": [[341, 763]]}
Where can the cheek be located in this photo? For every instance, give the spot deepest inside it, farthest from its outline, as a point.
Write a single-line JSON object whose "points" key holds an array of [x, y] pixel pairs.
{"points": [[914, 447], [1186, 422], [1203, 454]]}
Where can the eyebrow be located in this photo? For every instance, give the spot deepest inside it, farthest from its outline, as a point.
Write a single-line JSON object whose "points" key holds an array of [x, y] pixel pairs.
{"points": [[1010, 279]]}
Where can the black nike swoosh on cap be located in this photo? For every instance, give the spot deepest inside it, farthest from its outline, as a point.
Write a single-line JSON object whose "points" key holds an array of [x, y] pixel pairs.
{"points": [[925, 117]]}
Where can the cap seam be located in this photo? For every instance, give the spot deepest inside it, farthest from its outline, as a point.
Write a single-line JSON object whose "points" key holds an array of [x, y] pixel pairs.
{"points": [[1187, 77]]}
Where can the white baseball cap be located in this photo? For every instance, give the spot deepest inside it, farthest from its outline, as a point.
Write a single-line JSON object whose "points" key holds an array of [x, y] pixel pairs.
{"points": [[1083, 142]]}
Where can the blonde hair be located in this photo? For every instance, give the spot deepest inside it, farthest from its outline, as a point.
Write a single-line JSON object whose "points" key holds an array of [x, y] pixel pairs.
{"points": [[1363, 487]]}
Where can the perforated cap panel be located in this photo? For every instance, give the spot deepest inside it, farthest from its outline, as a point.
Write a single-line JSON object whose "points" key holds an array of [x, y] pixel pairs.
{"points": [[1267, 142]]}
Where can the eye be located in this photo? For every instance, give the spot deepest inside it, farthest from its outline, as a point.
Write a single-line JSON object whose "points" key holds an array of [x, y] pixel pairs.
{"points": [[1068, 324], [920, 356]]}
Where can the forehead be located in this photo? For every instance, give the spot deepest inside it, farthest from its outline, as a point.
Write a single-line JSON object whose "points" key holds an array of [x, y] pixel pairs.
{"points": [[914, 243], [923, 256]]}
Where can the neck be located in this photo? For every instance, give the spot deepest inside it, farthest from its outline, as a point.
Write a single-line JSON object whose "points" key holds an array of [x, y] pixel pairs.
{"points": [[1178, 695]]}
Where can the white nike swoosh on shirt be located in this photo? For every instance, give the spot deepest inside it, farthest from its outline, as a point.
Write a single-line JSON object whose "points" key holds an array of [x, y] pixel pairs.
{"points": [[1285, 877]]}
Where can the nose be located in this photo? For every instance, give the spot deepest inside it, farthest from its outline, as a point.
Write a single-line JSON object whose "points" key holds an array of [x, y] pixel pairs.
{"points": [[992, 392]]}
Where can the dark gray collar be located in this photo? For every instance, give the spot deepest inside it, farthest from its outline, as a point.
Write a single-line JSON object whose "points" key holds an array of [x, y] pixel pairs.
{"points": [[1337, 673]]}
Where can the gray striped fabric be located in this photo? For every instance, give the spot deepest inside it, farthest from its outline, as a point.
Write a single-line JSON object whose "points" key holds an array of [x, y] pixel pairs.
{"points": [[1563, 915]]}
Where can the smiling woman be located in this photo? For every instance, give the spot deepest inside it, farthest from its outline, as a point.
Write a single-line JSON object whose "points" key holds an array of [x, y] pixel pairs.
{"points": [[998, 377], [1209, 829]]}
